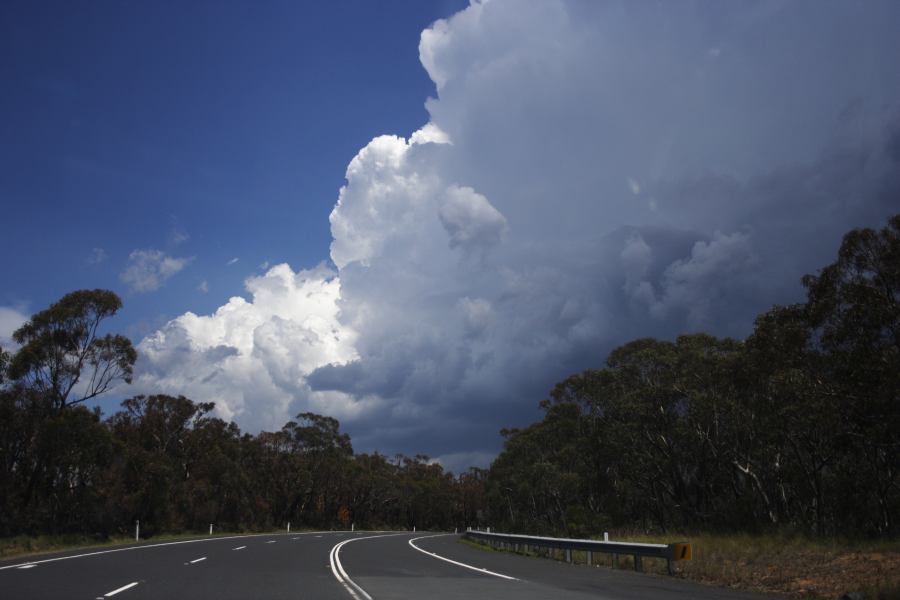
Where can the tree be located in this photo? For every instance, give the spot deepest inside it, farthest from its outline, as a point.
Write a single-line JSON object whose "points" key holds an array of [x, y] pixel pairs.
{"points": [[62, 354], [4, 360], [853, 310]]}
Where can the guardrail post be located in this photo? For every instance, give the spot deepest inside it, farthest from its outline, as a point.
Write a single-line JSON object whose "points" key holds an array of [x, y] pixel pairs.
{"points": [[638, 565], [590, 558], [568, 555]]}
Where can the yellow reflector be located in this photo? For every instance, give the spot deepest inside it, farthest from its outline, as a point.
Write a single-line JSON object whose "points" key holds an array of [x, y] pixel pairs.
{"points": [[682, 552]]}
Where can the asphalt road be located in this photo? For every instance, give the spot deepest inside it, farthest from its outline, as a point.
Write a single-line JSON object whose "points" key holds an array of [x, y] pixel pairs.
{"points": [[326, 566]]}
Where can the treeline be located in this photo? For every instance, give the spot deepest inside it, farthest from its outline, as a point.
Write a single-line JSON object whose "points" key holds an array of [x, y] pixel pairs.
{"points": [[797, 427], [167, 462]]}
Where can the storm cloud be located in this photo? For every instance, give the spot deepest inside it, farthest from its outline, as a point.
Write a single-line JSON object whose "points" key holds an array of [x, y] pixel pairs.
{"points": [[591, 173]]}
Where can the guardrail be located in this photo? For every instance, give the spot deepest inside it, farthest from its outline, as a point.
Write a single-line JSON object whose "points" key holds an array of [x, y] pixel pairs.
{"points": [[669, 552]]}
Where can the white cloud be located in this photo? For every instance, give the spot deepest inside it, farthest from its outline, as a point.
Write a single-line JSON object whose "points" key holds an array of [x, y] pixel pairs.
{"points": [[149, 269], [232, 261], [747, 169], [178, 236], [251, 357], [10, 320], [97, 256], [470, 220], [203, 287]]}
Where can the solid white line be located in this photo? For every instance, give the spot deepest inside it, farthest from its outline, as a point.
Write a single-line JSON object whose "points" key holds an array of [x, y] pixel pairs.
{"points": [[27, 566], [198, 559], [214, 539], [121, 589], [444, 558], [341, 575], [239, 548]]}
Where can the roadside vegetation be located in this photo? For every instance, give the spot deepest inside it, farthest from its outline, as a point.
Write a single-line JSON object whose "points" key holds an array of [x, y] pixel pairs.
{"points": [[775, 446], [797, 566]]}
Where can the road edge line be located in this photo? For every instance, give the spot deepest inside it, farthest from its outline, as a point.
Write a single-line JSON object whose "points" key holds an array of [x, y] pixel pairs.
{"points": [[457, 563]]}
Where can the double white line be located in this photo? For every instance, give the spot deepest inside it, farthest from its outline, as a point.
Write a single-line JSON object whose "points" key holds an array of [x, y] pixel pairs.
{"points": [[341, 575], [360, 594]]}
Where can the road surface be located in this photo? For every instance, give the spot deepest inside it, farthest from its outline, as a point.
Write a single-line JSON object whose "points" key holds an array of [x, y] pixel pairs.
{"points": [[328, 566]]}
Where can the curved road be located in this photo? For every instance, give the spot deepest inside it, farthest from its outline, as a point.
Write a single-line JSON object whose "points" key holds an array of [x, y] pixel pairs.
{"points": [[327, 566]]}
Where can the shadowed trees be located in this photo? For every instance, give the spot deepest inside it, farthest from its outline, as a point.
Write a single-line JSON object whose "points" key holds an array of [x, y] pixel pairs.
{"points": [[797, 427]]}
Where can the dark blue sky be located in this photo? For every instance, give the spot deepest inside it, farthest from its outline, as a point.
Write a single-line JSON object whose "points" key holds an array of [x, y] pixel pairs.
{"points": [[128, 125]]}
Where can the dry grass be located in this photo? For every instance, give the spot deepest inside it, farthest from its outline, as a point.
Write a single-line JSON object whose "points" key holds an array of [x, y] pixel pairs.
{"points": [[25, 545], [794, 565], [797, 566]]}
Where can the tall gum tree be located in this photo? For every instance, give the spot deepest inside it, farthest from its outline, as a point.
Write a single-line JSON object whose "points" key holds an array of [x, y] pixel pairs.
{"points": [[64, 357]]}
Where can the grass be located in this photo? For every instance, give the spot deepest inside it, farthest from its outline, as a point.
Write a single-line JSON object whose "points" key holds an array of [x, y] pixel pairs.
{"points": [[794, 565]]}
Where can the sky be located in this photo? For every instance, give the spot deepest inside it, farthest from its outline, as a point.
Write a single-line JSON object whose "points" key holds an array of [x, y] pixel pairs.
{"points": [[416, 217]]}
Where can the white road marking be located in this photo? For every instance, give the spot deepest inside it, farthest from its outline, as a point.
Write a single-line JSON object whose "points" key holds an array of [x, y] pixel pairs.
{"points": [[317, 536], [121, 589], [444, 558], [141, 547], [27, 567], [196, 560], [295, 538], [338, 569], [273, 541], [239, 548]]}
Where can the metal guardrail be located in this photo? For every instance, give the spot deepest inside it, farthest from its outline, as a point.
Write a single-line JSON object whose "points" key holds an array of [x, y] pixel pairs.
{"points": [[668, 552]]}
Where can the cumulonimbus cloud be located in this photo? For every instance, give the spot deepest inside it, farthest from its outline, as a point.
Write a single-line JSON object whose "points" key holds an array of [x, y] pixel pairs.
{"points": [[591, 173]]}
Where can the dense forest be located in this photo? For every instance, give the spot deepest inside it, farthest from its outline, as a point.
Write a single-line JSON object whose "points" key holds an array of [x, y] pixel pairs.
{"points": [[797, 427]]}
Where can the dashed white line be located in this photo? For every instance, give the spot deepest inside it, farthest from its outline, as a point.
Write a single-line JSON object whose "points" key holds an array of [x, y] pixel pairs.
{"points": [[296, 538], [464, 565], [239, 548], [196, 560], [121, 589], [271, 542], [141, 547]]}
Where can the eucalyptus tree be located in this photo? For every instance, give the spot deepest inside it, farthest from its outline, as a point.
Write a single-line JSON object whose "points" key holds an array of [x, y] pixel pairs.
{"points": [[63, 355]]}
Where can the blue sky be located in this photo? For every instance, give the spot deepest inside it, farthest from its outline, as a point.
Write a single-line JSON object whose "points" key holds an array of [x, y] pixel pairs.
{"points": [[214, 130], [417, 217]]}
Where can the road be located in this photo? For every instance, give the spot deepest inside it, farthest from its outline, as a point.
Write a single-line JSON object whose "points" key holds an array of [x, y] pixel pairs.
{"points": [[327, 566]]}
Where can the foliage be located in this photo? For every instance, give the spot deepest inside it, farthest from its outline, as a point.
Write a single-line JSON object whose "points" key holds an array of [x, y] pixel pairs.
{"points": [[797, 427], [62, 343]]}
